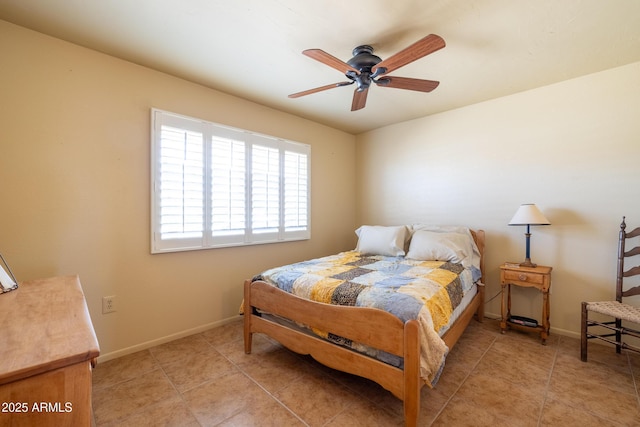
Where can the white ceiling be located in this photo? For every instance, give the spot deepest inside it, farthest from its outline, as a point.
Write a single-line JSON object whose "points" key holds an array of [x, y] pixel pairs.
{"points": [[252, 48]]}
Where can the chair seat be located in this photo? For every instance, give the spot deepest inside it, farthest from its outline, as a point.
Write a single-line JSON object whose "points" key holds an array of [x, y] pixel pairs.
{"points": [[616, 309]]}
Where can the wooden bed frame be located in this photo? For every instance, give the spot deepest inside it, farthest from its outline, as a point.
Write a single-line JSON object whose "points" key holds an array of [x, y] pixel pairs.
{"points": [[373, 327]]}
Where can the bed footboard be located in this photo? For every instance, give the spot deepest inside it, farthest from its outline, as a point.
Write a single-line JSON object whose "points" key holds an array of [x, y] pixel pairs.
{"points": [[375, 328]]}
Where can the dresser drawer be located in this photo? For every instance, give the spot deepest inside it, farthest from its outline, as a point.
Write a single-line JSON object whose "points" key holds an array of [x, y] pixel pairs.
{"points": [[522, 276]]}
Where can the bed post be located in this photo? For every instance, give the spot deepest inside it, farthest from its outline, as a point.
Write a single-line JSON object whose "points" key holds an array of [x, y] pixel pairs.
{"points": [[479, 238], [248, 312], [412, 379], [480, 311]]}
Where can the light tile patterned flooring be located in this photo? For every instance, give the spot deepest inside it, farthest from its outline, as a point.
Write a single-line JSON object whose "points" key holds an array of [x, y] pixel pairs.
{"points": [[490, 379]]}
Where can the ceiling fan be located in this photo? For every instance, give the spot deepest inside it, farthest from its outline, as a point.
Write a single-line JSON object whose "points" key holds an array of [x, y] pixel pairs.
{"points": [[366, 68]]}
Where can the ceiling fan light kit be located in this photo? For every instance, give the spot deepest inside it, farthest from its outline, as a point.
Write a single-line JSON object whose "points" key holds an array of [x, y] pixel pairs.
{"points": [[366, 68]]}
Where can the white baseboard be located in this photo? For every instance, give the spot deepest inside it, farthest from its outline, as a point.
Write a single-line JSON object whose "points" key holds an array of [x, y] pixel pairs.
{"points": [[557, 331], [202, 328], [158, 341]]}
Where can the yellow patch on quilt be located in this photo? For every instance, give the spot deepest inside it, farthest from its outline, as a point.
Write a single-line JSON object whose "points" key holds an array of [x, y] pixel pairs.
{"points": [[323, 289], [441, 276], [322, 292], [350, 256], [332, 271], [321, 334], [440, 307], [431, 264]]}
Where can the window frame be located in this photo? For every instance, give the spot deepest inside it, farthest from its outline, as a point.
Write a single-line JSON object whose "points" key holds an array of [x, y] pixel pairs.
{"points": [[249, 235]]}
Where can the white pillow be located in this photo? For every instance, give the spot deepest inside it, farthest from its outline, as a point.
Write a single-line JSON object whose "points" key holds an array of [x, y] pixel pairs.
{"points": [[439, 228], [471, 252], [381, 240], [437, 246]]}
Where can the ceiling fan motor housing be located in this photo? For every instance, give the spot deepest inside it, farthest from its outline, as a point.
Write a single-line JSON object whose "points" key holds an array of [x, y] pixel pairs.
{"points": [[363, 60]]}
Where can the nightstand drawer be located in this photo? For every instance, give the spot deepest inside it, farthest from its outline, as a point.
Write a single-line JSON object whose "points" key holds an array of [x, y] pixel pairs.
{"points": [[522, 276]]}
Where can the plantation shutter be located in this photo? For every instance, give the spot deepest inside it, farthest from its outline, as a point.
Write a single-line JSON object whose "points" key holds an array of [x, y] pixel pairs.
{"points": [[265, 189], [216, 186], [296, 186], [181, 163], [228, 195]]}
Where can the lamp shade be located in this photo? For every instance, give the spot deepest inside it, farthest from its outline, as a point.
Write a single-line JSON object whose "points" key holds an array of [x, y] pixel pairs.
{"points": [[529, 214]]}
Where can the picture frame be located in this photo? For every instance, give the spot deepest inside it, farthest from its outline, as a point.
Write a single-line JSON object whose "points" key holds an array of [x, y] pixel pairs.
{"points": [[8, 281]]}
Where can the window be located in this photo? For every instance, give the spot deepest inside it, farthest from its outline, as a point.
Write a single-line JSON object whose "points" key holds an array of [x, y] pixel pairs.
{"points": [[216, 186]]}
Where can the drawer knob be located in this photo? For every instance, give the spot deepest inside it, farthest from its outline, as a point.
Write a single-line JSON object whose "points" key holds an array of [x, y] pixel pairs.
{"points": [[522, 277]]}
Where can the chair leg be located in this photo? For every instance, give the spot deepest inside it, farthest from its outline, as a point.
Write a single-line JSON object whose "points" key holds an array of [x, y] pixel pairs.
{"points": [[618, 336], [583, 332]]}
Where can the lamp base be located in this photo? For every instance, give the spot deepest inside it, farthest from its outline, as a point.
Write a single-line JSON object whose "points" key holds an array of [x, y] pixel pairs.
{"points": [[527, 263]]}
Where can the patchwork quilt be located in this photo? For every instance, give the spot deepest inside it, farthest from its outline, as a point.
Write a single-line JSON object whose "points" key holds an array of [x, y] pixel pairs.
{"points": [[409, 289]]}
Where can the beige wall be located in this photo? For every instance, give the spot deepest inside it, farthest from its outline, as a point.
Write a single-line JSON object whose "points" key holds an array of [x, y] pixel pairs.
{"points": [[572, 148], [74, 184], [74, 168]]}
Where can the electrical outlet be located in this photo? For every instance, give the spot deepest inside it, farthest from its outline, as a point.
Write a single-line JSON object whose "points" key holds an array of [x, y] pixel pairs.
{"points": [[108, 304]]}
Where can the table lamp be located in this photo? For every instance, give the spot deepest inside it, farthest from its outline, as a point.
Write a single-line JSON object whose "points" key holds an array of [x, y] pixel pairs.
{"points": [[528, 214]]}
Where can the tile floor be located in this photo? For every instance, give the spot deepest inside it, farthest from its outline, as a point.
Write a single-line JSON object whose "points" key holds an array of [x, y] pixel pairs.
{"points": [[490, 379]]}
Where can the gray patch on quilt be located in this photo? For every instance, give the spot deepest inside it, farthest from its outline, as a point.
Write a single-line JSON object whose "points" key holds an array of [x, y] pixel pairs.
{"points": [[346, 293]]}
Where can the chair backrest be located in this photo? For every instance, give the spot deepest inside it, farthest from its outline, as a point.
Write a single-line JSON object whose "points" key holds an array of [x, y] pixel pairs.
{"points": [[622, 255]]}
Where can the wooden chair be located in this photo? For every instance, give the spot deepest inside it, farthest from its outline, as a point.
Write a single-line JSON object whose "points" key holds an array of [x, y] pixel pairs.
{"points": [[616, 309]]}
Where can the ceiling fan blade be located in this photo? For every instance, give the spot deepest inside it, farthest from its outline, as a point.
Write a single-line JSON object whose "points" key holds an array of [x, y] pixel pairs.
{"points": [[419, 49], [330, 60], [359, 99], [319, 89], [408, 83]]}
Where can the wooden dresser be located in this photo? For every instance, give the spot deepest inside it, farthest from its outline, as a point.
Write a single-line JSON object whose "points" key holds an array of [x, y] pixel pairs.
{"points": [[47, 348]]}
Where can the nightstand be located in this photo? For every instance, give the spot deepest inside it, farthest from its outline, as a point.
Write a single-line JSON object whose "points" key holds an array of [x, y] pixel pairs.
{"points": [[531, 277]]}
